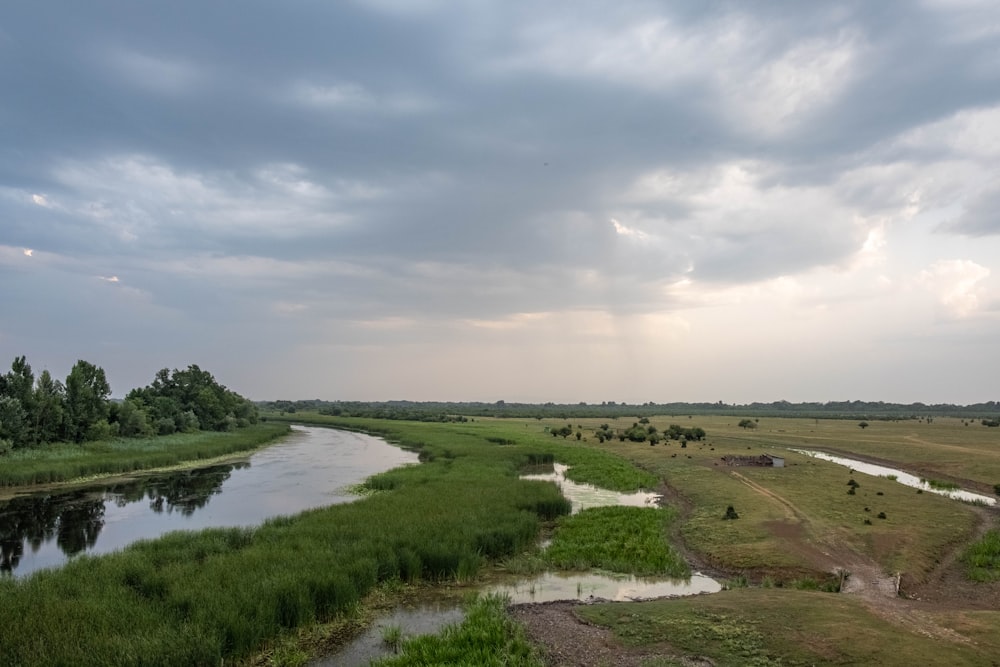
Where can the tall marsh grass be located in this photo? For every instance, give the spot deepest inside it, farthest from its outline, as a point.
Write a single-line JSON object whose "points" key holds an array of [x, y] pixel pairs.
{"points": [[982, 558], [201, 598], [488, 637], [631, 540]]}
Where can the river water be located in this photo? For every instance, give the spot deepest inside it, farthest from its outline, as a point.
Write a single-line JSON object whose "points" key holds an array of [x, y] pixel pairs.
{"points": [[312, 467], [899, 476]]}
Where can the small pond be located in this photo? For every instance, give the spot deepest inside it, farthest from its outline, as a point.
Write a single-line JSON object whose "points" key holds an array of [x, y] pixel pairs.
{"points": [[585, 496], [312, 467], [591, 586], [899, 476]]}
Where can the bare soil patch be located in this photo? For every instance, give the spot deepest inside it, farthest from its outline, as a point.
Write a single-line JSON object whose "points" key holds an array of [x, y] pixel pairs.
{"points": [[567, 640]]}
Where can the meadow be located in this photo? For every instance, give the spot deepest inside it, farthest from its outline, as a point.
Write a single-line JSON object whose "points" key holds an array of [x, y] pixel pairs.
{"points": [[238, 594]]}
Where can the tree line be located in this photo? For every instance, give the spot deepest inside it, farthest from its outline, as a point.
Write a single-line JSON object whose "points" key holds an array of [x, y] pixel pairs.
{"points": [[451, 411], [38, 411]]}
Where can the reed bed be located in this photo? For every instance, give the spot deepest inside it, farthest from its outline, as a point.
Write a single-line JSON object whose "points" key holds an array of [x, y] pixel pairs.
{"points": [[631, 540], [487, 637], [201, 598]]}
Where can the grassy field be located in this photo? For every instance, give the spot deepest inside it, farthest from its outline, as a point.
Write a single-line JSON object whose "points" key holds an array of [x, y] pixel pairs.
{"points": [[790, 516], [64, 462], [200, 598], [785, 627]]}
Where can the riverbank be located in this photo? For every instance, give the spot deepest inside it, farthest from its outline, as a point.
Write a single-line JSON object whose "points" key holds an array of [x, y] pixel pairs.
{"points": [[223, 594], [61, 465]]}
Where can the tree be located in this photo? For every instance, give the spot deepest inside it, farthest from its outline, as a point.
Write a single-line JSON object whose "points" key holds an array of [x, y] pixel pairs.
{"points": [[863, 425], [48, 418], [747, 424], [87, 392], [13, 422], [16, 404], [132, 419], [174, 397]]}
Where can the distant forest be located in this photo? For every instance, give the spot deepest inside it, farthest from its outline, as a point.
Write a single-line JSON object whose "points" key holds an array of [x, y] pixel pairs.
{"points": [[988, 412]]}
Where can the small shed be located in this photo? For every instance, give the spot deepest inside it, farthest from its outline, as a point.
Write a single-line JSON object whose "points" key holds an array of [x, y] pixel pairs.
{"points": [[763, 461]]}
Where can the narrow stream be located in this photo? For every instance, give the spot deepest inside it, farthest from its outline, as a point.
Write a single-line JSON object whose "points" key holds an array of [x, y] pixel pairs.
{"points": [[899, 476], [312, 467]]}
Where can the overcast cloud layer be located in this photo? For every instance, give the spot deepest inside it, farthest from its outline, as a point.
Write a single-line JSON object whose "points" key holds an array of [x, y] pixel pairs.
{"points": [[565, 201]]}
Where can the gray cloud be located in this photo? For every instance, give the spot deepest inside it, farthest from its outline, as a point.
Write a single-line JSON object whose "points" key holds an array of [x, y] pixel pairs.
{"points": [[314, 165]]}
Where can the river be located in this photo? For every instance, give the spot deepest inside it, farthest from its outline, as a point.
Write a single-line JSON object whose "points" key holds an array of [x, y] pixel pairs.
{"points": [[312, 467]]}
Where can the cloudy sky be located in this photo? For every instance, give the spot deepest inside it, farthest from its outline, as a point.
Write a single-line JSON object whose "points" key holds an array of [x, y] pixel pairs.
{"points": [[536, 201]]}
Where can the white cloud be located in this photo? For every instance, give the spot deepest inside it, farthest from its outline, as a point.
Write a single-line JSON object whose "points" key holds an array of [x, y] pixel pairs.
{"points": [[972, 134], [756, 87], [777, 95], [136, 194], [623, 230], [956, 284]]}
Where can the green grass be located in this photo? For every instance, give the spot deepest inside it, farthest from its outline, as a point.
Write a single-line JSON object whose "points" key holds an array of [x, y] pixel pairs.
{"points": [[487, 636], [939, 485], [805, 501], [982, 558], [62, 462], [224, 595], [757, 626], [630, 540], [200, 598]]}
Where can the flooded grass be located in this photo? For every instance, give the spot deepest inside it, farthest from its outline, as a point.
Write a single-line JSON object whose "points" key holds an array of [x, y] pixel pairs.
{"points": [[487, 636]]}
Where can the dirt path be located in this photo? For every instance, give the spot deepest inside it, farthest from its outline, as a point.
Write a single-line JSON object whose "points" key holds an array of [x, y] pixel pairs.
{"points": [[568, 640], [864, 578], [791, 511]]}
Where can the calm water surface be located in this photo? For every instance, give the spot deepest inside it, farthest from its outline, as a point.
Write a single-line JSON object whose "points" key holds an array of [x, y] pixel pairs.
{"points": [[899, 476], [585, 496], [313, 467]]}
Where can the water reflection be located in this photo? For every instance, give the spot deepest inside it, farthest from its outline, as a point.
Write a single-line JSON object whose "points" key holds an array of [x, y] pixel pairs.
{"points": [[73, 521], [585, 496], [593, 586], [311, 468], [184, 492]]}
